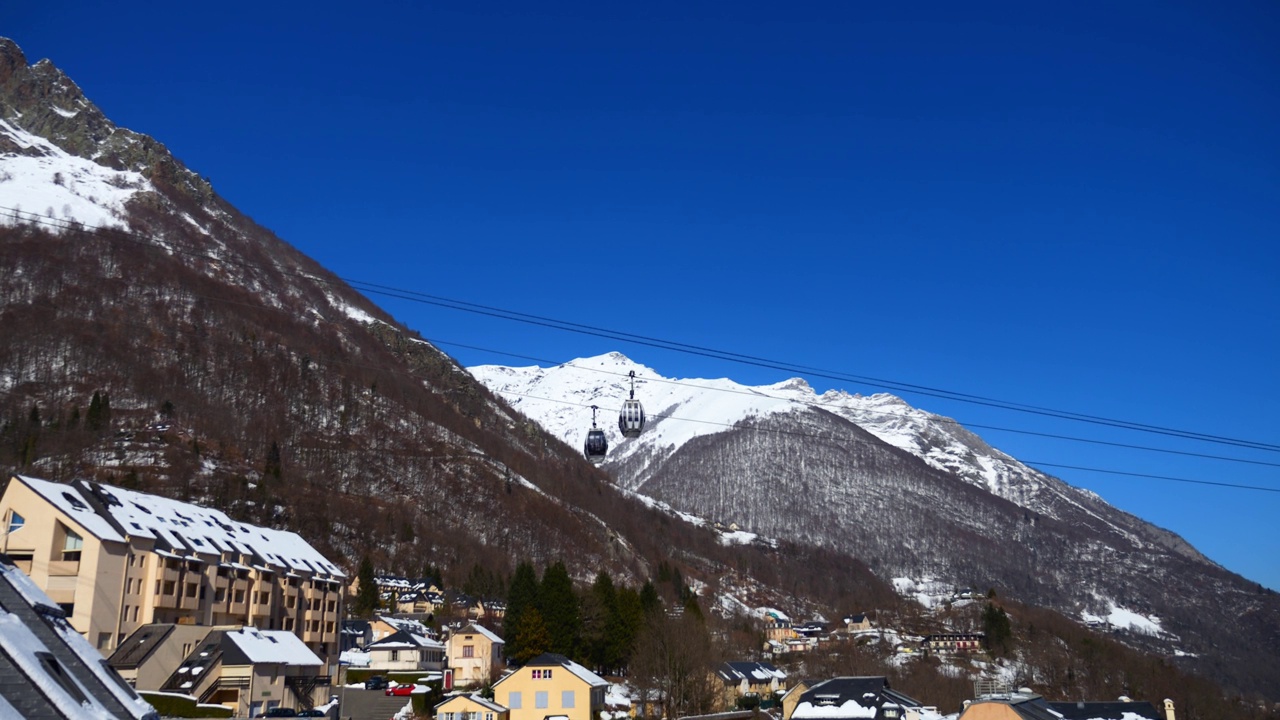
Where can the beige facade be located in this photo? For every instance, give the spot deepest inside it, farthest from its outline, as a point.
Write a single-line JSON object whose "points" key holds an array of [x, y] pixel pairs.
{"points": [[116, 560], [551, 685], [475, 654], [249, 671]]}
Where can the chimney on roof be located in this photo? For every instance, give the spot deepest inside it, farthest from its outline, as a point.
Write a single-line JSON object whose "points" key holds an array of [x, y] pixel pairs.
{"points": [[1168, 710]]}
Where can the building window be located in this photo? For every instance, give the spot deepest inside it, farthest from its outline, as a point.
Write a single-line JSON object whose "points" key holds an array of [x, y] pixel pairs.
{"points": [[16, 521], [540, 699], [54, 670], [469, 651], [395, 655], [514, 701], [566, 699], [168, 587], [72, 546], [135, 613], [191, 589]]}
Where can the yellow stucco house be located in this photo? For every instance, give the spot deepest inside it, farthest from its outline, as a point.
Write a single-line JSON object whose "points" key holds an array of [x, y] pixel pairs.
{"points": [[551, 686], [475, 653]]}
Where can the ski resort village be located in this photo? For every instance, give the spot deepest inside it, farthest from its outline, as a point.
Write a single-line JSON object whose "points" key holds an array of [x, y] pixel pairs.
{"points": [[118, 602], [696, 372]]}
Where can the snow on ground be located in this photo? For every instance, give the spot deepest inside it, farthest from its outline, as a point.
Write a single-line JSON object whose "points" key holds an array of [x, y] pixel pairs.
{"points": [[927, 591], [766, 612], [1124, 618], [58, 186], [738, 537]]}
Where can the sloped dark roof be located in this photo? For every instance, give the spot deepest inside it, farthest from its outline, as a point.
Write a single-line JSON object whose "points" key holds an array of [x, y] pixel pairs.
{"points": [[753, 672], [47, 670], [1113, 710], [548, 660], [138, 647]]}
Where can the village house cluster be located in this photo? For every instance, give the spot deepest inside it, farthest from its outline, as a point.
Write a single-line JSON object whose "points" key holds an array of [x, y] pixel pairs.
{"points": [[181, 600]]}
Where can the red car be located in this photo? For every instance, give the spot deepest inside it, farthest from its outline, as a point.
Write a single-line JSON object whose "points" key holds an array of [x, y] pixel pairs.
{"points": [[400, 690]]}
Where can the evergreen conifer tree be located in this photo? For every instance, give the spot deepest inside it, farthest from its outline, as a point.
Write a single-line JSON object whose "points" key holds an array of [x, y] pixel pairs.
{"points": [[559, 606], [366, 601], [522, 596], [531, 636], [649, 600]]}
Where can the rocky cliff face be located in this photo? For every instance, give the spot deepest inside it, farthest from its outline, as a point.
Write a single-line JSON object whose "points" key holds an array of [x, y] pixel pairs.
{"points": [[41, 99]]}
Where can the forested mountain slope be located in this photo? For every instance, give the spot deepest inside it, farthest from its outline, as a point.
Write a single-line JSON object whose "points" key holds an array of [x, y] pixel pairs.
{"points": [[159, 339], [916, 496]]}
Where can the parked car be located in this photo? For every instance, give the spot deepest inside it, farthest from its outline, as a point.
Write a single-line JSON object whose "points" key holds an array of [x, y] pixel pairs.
{"points": [[312, 713], [400, 690], [375, 682], [279, 712]]}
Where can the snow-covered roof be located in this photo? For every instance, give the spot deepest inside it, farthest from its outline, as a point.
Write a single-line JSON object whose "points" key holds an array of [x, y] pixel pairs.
{"points": [[271, 646], [85, 689], [847, 709], [409, 625], [404, 640], [180, 528], [753, 672], [67, 498], [480, 630], [477, 699], [555, 660]]}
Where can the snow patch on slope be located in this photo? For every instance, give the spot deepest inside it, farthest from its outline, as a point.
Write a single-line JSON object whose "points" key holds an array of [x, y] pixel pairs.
{"points": [[61, 188]]}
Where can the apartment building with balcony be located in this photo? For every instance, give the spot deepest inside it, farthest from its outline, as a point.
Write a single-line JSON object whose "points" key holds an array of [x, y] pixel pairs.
{"points": [[115, 560]]}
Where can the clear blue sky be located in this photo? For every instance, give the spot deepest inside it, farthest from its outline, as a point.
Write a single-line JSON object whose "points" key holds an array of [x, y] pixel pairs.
{"points": [[1072, 207]]}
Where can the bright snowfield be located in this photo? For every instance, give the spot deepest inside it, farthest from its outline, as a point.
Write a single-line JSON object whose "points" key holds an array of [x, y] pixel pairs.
{"points": [[560, 399], [60, 187]]}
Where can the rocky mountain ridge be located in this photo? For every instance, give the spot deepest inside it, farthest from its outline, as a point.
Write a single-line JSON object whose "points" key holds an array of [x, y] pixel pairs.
{"points": [[914, 494]]}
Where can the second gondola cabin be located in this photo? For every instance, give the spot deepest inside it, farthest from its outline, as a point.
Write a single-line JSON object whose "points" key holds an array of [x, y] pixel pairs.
{"points": [[597, 445], [631, 418]]}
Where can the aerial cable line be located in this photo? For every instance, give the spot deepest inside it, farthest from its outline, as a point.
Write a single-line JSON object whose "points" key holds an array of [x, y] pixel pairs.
{"points": [[422, 298], [822, 405], [812, 436], [500, 313], [794, 433]]}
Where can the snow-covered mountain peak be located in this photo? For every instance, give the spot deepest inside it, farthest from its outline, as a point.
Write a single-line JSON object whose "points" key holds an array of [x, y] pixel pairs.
{"points": [[680, 410]]}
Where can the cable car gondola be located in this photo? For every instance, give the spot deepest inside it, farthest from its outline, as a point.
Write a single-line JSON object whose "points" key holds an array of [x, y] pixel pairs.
{"points": [[597, 445], [631, 419]]}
